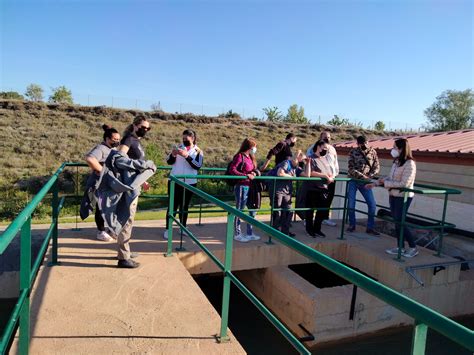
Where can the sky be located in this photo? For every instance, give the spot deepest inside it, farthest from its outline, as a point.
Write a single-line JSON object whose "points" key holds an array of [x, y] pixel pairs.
{"points": [[363, 60]]}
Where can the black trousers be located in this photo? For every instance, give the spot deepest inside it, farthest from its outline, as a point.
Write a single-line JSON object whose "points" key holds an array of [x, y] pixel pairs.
{"points": [[178, 203], [316, 199], [99, 221]]}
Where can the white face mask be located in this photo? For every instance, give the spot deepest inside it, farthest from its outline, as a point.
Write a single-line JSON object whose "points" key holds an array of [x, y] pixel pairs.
{"points": [[395, 154], [254, 150]]}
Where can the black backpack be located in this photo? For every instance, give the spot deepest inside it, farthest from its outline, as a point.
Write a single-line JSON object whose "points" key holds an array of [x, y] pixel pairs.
{"points": [[233, 182]]}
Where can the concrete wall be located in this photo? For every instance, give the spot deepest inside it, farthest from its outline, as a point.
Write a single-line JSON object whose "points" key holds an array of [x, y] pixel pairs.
{"points": [[460, 207], [325, 312]]}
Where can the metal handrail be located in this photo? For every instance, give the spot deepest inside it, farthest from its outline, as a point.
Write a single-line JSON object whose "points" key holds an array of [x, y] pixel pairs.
{"points": [[424, 316], [23, 223]]}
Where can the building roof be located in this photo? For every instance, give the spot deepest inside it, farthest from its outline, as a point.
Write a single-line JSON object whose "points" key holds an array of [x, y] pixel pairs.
{"points": [[456, 142]]}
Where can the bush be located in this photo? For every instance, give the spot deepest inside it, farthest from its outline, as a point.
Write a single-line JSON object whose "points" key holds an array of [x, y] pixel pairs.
{"points": [[61, 95], [11, 95]]}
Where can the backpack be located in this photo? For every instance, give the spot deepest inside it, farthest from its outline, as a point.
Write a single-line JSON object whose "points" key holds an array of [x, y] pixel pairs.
{"points": [[233, 182]]}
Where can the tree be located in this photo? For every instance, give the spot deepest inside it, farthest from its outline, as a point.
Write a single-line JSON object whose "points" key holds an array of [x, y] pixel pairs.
{"points": [[11, 95], [296, 115], [61, 95], [339, 121], [273, 114], [34, 92], [451, 111], [379, 126], [156, 107]]}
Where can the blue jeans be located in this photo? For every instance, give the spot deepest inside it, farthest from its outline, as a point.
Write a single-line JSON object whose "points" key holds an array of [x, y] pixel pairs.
{"points": [[396, 208], [368, 196], [241, 196]]}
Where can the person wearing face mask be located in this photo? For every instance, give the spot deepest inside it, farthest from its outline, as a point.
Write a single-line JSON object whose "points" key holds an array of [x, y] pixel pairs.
{"points": [[130, 143], [281, 151], [363, 164], [331, 156], [317, 192], [402, 175], [186, 159], [95, 159], [244, 164]]}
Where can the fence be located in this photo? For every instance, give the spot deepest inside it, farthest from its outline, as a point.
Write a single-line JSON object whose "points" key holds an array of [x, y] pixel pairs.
{"points": [[424, 316], [216, 110]]}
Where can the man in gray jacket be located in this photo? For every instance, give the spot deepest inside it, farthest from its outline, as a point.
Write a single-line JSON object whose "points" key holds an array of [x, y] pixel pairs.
{"points": [[118, 190]]}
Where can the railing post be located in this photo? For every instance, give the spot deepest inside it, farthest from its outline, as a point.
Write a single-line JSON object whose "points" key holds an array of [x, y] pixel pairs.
{"points": [[223, 337], [77, 199], [200, 211], [25, 275], [54, 221], [272, 206], [344, 212], [441, 231], [401, 242], [181, 219], [170, 217], [418, 343]]}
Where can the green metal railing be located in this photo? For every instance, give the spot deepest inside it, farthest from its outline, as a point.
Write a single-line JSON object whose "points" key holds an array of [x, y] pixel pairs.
{"points": [[22, 223], [424, 317]]}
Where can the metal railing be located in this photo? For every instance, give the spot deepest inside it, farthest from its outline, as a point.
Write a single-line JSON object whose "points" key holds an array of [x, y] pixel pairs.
{"points": [[424, 317], [22, 223]]}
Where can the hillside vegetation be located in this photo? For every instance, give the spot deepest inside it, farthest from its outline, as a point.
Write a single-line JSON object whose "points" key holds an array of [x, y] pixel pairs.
{"points": [[37, 137]]}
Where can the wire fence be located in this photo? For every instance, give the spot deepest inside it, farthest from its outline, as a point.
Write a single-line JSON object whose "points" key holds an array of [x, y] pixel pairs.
{"points": [[220, 110]]}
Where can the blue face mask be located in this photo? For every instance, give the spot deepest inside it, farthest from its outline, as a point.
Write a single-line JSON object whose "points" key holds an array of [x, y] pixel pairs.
{"points": [[254, 150]]}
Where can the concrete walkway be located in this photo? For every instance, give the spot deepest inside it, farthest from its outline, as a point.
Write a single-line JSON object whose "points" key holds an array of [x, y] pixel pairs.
{"points": [[88, 306]]}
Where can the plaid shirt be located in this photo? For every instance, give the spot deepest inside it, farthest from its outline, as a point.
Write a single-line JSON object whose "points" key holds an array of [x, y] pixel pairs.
{"points": [[363, 168]]}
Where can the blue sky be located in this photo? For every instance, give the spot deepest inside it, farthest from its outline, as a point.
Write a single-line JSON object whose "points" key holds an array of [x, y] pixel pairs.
{"points": [[365, 60]]}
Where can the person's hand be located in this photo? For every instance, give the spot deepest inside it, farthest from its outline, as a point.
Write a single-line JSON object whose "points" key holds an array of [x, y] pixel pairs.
{"points": [[381, 181], [183, 152], [251, 175], [146, 186], [330, 179], [370, 186], [174, 152]]}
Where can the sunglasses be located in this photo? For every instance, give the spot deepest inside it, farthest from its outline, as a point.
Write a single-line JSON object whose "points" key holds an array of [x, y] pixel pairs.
{"points": [[145, 128]]}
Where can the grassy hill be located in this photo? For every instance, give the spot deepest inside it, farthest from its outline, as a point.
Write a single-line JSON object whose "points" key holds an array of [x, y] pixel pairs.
{"points": [[37, 137]]}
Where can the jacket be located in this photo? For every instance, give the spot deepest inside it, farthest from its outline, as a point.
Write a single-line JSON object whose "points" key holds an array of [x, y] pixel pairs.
{"points": [[242, 165], [363, 165], [186, 166], [119, 184], [401, 176]]}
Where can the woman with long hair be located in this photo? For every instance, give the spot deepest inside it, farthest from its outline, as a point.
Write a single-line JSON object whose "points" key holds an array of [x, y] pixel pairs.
{"points": [[402, 175], [244, 164], [96, 159], [317, 192]]}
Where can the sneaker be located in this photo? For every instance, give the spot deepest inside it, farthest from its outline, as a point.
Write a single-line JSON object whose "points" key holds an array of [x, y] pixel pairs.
{"points": [[329, 222], [252, 237], [127, 264], [165, 234], [410, 253], [291, 234], [104, 236], [372, 232], [241, 238], [320, 234], [394, 251], [351, 229], [310, 234]]}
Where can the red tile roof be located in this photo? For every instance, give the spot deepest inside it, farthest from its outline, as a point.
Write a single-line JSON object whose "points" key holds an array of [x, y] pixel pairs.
{"points": [[440, 142]]}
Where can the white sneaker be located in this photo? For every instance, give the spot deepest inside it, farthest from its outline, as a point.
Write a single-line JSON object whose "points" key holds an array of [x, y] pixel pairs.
{"points": [[241, 238], [104, 236], [252, 237], [410, 253], [394, 251], [165, 234], [329, 222]]}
